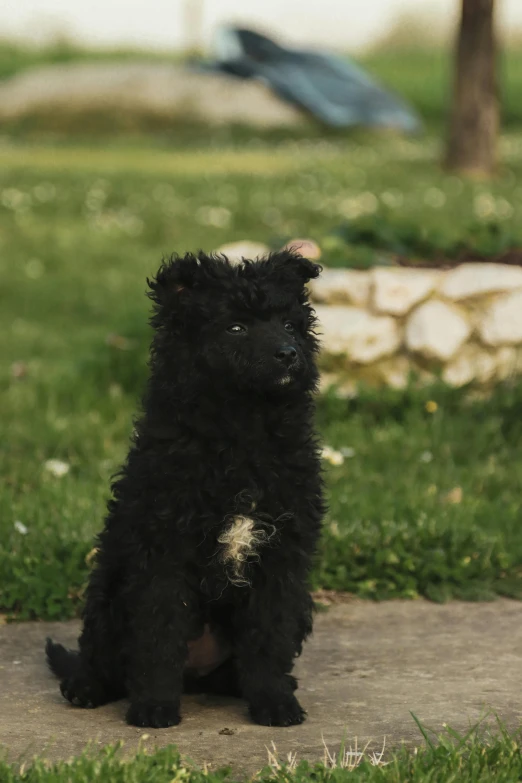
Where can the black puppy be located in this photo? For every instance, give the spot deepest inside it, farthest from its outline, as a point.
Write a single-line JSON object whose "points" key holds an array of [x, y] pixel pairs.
{"points": [[200, 580]]}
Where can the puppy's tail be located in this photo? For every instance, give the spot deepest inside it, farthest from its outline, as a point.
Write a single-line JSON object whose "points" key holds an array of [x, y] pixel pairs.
{"points": [[62, 662]]}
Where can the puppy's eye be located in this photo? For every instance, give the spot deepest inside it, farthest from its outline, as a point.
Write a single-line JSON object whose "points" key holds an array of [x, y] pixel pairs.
{"points": [[236, 329], [289, 326]]}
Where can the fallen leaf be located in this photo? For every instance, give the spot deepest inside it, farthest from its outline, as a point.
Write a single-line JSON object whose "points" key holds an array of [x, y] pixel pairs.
{"points": [[454, 496], [89, 557], [18, 370], [119, 342]]}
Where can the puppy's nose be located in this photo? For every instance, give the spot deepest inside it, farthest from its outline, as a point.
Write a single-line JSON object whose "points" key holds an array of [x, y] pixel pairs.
{"points": [[286, 354]]}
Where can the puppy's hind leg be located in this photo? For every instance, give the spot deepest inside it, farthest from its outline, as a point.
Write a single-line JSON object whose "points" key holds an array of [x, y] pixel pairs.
{"points": [[78, 685], [93, 675]]}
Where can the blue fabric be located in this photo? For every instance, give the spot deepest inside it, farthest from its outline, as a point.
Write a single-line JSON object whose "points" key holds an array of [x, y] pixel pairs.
{"points": [[333, 89]]}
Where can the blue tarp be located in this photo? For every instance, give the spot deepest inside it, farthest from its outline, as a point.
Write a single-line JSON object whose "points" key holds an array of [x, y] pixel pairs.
{"points": [[333, 89]]}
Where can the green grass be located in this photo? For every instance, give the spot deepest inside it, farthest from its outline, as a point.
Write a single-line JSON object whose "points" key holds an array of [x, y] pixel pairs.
{"points": [[80, 229], [16, 57], [424, 78], [450, 758]]}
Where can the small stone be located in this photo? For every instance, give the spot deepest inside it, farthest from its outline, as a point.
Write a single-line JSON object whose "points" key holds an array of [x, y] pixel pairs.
{"points": [[395, 372], [341, 286], [305, 247], [396, 291], [347, 390], [237, 251], [436, 330], [470, 280], [508, 362], [356, 334], [472, 363], [501, 324], [326, 381], [228, 732]]}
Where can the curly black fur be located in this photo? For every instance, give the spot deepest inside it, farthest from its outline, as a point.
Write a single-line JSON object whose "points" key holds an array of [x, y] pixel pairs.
{"points": [[226, 434]]}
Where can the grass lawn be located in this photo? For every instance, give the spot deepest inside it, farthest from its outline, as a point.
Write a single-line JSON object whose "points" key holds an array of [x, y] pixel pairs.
{"points": [[447, 759], [81, 228]]}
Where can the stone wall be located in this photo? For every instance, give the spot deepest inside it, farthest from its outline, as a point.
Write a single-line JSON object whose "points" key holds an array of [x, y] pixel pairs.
{"points": [[463, 324]]}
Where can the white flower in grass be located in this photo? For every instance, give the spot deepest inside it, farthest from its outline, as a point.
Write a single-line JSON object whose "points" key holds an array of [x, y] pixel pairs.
{"points": [[332, 456], [57, 467], [20, 527]]}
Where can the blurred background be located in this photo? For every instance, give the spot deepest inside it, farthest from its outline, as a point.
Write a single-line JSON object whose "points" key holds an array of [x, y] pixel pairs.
{"points": [[387, 134], [177, 24]]}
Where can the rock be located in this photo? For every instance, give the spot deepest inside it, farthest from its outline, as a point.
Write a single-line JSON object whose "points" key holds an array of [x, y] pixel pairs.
{"points": [[472, 363], [305, 247], [436, 330], [158, 90], [341, 286], [396, 291], [470, 280], [395, 372], [326, 381], [508, 362], [356, 334], [501, 323], [237, 251]]}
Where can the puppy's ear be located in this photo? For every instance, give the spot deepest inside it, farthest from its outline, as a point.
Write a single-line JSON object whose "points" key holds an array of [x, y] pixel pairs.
{"points": [[175, 276], [290, 265]]}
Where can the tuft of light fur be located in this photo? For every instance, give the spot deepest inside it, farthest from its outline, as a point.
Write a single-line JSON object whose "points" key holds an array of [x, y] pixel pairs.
{"points": [[240, 541]]}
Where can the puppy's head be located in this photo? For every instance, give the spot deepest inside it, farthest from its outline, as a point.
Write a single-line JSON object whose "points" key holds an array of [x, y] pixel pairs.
{"points": [[247, 326]]}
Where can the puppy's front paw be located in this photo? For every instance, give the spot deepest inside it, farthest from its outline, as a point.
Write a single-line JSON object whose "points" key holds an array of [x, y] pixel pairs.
{"points": [[278, 710], [155, 714]]}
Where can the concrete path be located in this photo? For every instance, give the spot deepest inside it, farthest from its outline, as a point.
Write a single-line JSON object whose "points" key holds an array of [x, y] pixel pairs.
{"points": [[366, 667]]}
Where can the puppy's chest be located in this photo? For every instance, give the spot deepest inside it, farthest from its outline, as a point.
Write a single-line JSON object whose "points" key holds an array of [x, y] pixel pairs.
{"points": [[274, 466]]}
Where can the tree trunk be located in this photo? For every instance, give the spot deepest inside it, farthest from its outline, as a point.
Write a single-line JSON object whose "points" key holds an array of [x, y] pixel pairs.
{"points": [[474, 117]]}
